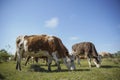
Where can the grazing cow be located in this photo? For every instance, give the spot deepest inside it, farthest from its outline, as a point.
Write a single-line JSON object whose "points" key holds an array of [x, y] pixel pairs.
{"points": [[43, 45], [106, 54], [88, 50]]}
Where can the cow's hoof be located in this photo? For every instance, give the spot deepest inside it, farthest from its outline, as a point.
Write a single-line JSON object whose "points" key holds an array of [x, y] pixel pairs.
{"points": [[49, 70], [59, 70]]}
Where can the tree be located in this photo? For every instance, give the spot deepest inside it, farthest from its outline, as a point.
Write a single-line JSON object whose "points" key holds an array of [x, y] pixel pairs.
{"points": [[4, 56], [117, 54]]}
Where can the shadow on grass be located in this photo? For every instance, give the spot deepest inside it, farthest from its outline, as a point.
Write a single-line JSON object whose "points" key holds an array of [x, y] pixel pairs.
{"points": [[2, 77], [109, 66], [37, 68], [82, 70]]}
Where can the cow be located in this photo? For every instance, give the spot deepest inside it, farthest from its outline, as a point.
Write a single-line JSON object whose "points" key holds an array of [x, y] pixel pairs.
{"points": [[43, 45], [105, 55], [88, 50]]}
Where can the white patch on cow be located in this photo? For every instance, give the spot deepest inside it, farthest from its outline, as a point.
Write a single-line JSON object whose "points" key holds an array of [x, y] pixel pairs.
{"points": [[50, 38], [22, 40], [67, 62], [89, 62], [97, 65], [25, 45], [73, 52]]}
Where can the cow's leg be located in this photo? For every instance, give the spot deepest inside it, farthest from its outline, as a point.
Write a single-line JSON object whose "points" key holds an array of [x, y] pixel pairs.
{"points": [[46, 59], [58, 64], [89, 61], [78, 60], [28, 57], [57, 61], [49, 63], [18, 66], [36, 59]]}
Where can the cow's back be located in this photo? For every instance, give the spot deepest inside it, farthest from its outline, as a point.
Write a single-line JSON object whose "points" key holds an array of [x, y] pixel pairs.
{"points": [[81, 47], [38, 42], [51, 44], [85, 47]]}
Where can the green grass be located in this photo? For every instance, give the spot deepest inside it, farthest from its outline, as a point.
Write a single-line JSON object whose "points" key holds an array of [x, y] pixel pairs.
{"points": [[108, 71]]}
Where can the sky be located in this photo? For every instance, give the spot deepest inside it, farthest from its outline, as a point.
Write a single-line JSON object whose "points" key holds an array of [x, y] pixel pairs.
{"points": [[73, 21]]}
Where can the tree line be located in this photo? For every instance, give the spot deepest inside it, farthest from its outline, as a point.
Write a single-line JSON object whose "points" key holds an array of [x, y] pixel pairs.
{"points": [[117, 54], [5, 56]]}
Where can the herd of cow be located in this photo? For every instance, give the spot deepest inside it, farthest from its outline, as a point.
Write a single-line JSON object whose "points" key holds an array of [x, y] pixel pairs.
{"points": [[52, 48]]}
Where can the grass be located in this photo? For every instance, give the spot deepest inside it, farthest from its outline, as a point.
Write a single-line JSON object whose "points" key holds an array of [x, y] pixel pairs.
{"points": [[108, 71]]}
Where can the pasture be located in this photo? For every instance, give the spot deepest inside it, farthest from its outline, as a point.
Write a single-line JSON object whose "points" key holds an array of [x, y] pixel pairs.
{"points": [[110, 70]]}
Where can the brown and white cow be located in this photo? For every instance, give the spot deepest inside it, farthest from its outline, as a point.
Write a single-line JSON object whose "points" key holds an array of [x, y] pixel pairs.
{"points": [[43, 45], [105, 54], [88, 50]]}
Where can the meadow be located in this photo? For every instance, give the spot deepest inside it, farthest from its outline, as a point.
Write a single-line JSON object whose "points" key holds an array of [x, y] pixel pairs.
{"points": [[110, 70]]}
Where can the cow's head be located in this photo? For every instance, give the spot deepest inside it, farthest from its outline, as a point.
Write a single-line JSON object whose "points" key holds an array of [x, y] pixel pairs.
{"points": [[97, 61], [70, 62]]}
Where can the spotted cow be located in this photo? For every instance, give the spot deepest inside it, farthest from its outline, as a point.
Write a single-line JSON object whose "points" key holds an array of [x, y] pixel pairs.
{"points": [[43, 45], [87, 50], [105, 55]]}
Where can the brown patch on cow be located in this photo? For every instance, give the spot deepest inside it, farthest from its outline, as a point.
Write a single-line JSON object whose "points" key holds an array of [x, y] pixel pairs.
{"points": [[36, 43]]}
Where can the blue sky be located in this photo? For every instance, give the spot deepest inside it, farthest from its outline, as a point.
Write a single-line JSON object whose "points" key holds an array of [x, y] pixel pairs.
{"points": [[73, 21]]}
